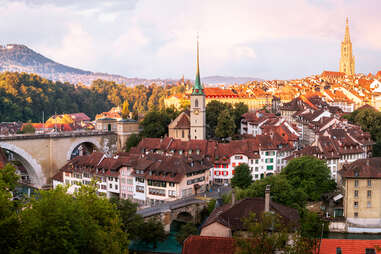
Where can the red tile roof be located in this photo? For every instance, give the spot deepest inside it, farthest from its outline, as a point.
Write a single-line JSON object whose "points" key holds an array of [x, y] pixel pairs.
{"points": [[208, 244], [348, 246]]}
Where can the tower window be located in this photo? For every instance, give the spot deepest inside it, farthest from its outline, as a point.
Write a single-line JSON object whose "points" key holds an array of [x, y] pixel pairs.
{"points": [[196, 103]]}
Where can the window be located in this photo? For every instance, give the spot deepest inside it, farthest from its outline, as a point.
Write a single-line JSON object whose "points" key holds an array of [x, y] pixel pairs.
{"points": [[370, 251], [356, 193], [157, 192], [110, 185], [139, 188], [369, 195], [270, 167], [356, 214], [356, 183], [369, 204], [171, 193], [369, 182], [171, 184], [196, 103], [116, 186], [356, 204], [338, 250]]}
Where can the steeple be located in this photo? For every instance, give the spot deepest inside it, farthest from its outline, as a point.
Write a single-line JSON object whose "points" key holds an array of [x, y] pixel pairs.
{"points": [[347, 37], [197, 87], [347, 60]]}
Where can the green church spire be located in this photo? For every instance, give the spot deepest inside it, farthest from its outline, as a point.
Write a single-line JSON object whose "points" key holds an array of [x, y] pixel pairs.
{"points": [[197, 87]]}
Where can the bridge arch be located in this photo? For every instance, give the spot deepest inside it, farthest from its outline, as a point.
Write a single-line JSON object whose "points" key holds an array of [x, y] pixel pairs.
{"points": [[31, 165], [76, 144]]}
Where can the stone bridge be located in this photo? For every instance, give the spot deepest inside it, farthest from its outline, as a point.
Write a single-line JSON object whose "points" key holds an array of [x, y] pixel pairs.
{"points": [[43, 155], [185, 210]]}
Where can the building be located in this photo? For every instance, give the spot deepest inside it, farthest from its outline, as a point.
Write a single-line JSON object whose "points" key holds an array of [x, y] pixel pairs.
{"points": [[76, 119], [195, 244], [179, 128], [347, 60], [224, 221], [362, 195], [197, 107]]}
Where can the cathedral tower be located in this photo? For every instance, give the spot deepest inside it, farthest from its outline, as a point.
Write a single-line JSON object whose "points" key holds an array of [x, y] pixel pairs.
{"points": [[197, 107], [347, 60]]}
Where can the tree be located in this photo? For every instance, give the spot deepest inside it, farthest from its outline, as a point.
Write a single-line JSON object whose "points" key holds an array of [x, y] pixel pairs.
{"points": [[152, 232], [309, 175], [56, 222], [132, 141], [185, 231], [281, 191], [9, 222], [265, 234], [242, 176], [213, 110], [125, 110], [28, 128], [155, 124], [131, 221], [225, 125], [239, 109]]}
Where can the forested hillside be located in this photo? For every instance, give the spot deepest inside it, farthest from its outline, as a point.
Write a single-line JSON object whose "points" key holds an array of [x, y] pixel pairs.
{"points": [[23, 97]]}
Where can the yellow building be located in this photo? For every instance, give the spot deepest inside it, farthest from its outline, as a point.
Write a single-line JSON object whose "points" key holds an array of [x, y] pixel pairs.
{"points": [[60, 119], [362, 195]]}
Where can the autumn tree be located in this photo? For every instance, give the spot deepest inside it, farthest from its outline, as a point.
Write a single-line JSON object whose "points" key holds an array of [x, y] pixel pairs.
{"points": [[125, 110]]}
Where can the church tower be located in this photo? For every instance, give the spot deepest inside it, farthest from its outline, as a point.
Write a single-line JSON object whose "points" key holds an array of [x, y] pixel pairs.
{"points": [[197, 107], [347, 60]]}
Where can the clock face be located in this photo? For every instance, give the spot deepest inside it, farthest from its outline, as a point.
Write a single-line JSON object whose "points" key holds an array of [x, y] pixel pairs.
{"points": [[196, 111]]}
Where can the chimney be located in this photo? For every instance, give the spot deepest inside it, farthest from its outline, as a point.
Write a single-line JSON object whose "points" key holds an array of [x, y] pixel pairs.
{"points": [[233, 197], [267, 198]]}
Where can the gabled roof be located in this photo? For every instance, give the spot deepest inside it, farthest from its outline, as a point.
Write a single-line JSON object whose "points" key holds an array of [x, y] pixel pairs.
{"points": [[362, 168], [329, 246]]}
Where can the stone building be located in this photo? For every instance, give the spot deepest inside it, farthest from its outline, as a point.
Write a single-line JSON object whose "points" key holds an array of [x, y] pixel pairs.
{"points": [[347, 60]]}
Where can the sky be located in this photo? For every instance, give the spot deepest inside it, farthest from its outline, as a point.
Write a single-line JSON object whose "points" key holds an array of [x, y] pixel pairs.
{"points": [[272, 39]]}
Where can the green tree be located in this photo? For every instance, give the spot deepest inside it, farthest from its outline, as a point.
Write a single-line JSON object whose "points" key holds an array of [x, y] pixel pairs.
{"points": [[309, 175], [265, 234], [131, 221], [225, 125], [185, 231], [9, 222], [239, 109], [125, 110], [152, 232], [132, 141], [28, 128], [242, 176], [155, 124], [213, 110], [56, 222], [281, 191]]}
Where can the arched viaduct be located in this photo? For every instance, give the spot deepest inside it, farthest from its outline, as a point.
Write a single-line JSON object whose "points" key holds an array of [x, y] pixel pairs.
{"points": [[43, 155]]}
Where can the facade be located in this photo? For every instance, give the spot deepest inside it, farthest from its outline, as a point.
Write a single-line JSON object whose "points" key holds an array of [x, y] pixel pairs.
{"points": [[197, 107], [362, 195], [179, 128], [347, 60]]}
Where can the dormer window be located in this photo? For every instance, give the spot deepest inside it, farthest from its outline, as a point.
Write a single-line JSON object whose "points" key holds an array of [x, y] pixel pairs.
{"points": [[180, 151], [190, 151], [198, 151], [356, 173]]}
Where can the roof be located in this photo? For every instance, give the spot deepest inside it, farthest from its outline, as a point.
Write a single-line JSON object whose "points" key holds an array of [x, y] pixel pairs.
{"points": [[362, 168], [195, 244], [232, 217], [329, 246]]}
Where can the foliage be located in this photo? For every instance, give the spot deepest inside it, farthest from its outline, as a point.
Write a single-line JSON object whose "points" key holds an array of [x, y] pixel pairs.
{"points": [[309, 175], [155, 124], [131, 221], [152, 232], [28, 128], [211, 205], [125, 110], [185, 231], [242, 176], [213, 110], [239, 109], [281, 191], [225, 125], [25, 96], [266, 234], [9, 223], [132, 141], [56, 222]]}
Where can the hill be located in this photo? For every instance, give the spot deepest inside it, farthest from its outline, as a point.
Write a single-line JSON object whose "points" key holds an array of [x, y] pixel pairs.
{"points": [[213, 80]]}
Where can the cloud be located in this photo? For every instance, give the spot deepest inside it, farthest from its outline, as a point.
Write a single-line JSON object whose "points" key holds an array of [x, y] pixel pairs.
{"points": [[149, 38]]}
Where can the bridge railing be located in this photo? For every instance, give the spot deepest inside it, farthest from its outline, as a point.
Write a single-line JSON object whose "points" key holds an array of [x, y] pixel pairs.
{"points": [[75, 133]]}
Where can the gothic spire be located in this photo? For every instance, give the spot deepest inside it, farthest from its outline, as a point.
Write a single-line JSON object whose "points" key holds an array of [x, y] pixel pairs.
{"points": [[347, 38], [197, 87]]}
